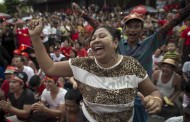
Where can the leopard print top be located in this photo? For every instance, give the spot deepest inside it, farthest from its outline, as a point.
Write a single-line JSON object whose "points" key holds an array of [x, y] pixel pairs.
{"points": [[111, 89]]}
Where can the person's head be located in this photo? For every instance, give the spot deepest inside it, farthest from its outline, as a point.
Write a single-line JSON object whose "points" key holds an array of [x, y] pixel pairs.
{"points": [[158, 52], [89, 51], [73, 53], [186, 114], [19, 62], [34, 82], [57, 50], [169, 16], [20, 23], [25, 55], [187, 22], [104, 42], [9, 72], [51, 82], [171, 46], [72, 100], [78, 45], [168, 66], [16, 53], [51, 48], [18, 81], [133, 27], [66, 43]]}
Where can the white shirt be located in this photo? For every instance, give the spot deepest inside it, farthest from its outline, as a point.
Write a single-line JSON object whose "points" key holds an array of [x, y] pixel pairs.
{"points": [[175, 119], [46, 33], [29, 71], [60, 98], [55, 58]]}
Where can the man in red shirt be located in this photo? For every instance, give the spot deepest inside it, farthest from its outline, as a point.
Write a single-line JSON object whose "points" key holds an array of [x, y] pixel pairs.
{"points": [[81, 52], [9, 72], [185, 43], [21, 33]]}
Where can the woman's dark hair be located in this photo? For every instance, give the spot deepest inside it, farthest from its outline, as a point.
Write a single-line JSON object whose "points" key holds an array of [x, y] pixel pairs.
{"points": [[74, 95], [116, 34]]}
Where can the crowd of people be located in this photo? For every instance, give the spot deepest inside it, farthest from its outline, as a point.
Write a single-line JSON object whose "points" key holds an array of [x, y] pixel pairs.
{"points": [[95, 65]]}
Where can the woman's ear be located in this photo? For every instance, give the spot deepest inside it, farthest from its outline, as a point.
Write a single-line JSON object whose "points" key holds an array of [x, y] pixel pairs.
{"points": [[116, 42]]}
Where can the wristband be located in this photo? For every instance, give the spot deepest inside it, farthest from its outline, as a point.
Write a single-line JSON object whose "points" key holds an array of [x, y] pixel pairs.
{"points": [[158, 99]]}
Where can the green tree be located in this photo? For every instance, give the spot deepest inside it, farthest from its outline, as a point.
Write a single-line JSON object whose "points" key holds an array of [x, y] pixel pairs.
{"points": [[11, 5], [3, 8]]}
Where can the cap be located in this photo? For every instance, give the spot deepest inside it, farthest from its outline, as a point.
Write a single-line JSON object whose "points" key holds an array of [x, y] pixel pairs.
{"points": [[10, 70], [17, 52], [133, 16], [22, 76], [54, 78], [169, 61], [25, 54]]}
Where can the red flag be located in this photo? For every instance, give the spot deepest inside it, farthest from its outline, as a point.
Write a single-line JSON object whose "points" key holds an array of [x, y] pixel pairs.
{"points": [[23, 47]]}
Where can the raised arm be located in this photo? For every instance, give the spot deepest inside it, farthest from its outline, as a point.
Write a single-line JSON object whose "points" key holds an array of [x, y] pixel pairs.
{"points": [[178, 18], [94, 23], [45, 62]]}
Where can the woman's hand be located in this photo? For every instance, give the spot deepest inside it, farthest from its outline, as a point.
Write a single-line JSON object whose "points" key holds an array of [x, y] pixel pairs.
{"points": [[35, 29], [152, 104]]}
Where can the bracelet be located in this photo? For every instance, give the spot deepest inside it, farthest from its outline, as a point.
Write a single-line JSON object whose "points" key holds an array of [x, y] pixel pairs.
{"points": [[158, 99]]}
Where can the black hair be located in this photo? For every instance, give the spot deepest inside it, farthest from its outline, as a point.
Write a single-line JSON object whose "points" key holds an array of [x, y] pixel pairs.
{"points": [[74, 95], [64, 59], [34, 81], [116, 34]]}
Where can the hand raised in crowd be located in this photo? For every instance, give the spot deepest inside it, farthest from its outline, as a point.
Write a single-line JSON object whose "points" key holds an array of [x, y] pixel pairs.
{"points": [[5, 105], [38, 107], [35, 29], [151, 103], [77, 8]]}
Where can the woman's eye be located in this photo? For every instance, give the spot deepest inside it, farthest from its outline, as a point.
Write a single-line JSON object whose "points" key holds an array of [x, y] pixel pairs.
{"points": [[102, 35]]}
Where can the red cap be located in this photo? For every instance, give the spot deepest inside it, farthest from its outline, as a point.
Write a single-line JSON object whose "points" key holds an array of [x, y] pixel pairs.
{"points": [[54, 78], [25, 54], [17, 52]]}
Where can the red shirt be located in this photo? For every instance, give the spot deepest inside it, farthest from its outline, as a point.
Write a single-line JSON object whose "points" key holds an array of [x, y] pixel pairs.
{"points": [[186, 35], [163, 22], [23, 37], [82, 52], [5, 88], [66, 51], [75, 36]]}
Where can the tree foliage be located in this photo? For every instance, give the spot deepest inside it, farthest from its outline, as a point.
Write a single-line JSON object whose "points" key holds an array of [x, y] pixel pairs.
{"points": [[11, 5], [3, 8]]}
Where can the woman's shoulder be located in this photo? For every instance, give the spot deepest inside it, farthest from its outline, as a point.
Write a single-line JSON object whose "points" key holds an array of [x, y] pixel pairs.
{"points": [[82, 61]]}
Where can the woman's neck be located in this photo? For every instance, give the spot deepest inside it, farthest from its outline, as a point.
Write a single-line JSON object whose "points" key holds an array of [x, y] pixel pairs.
{"points": [[109, 62]]}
